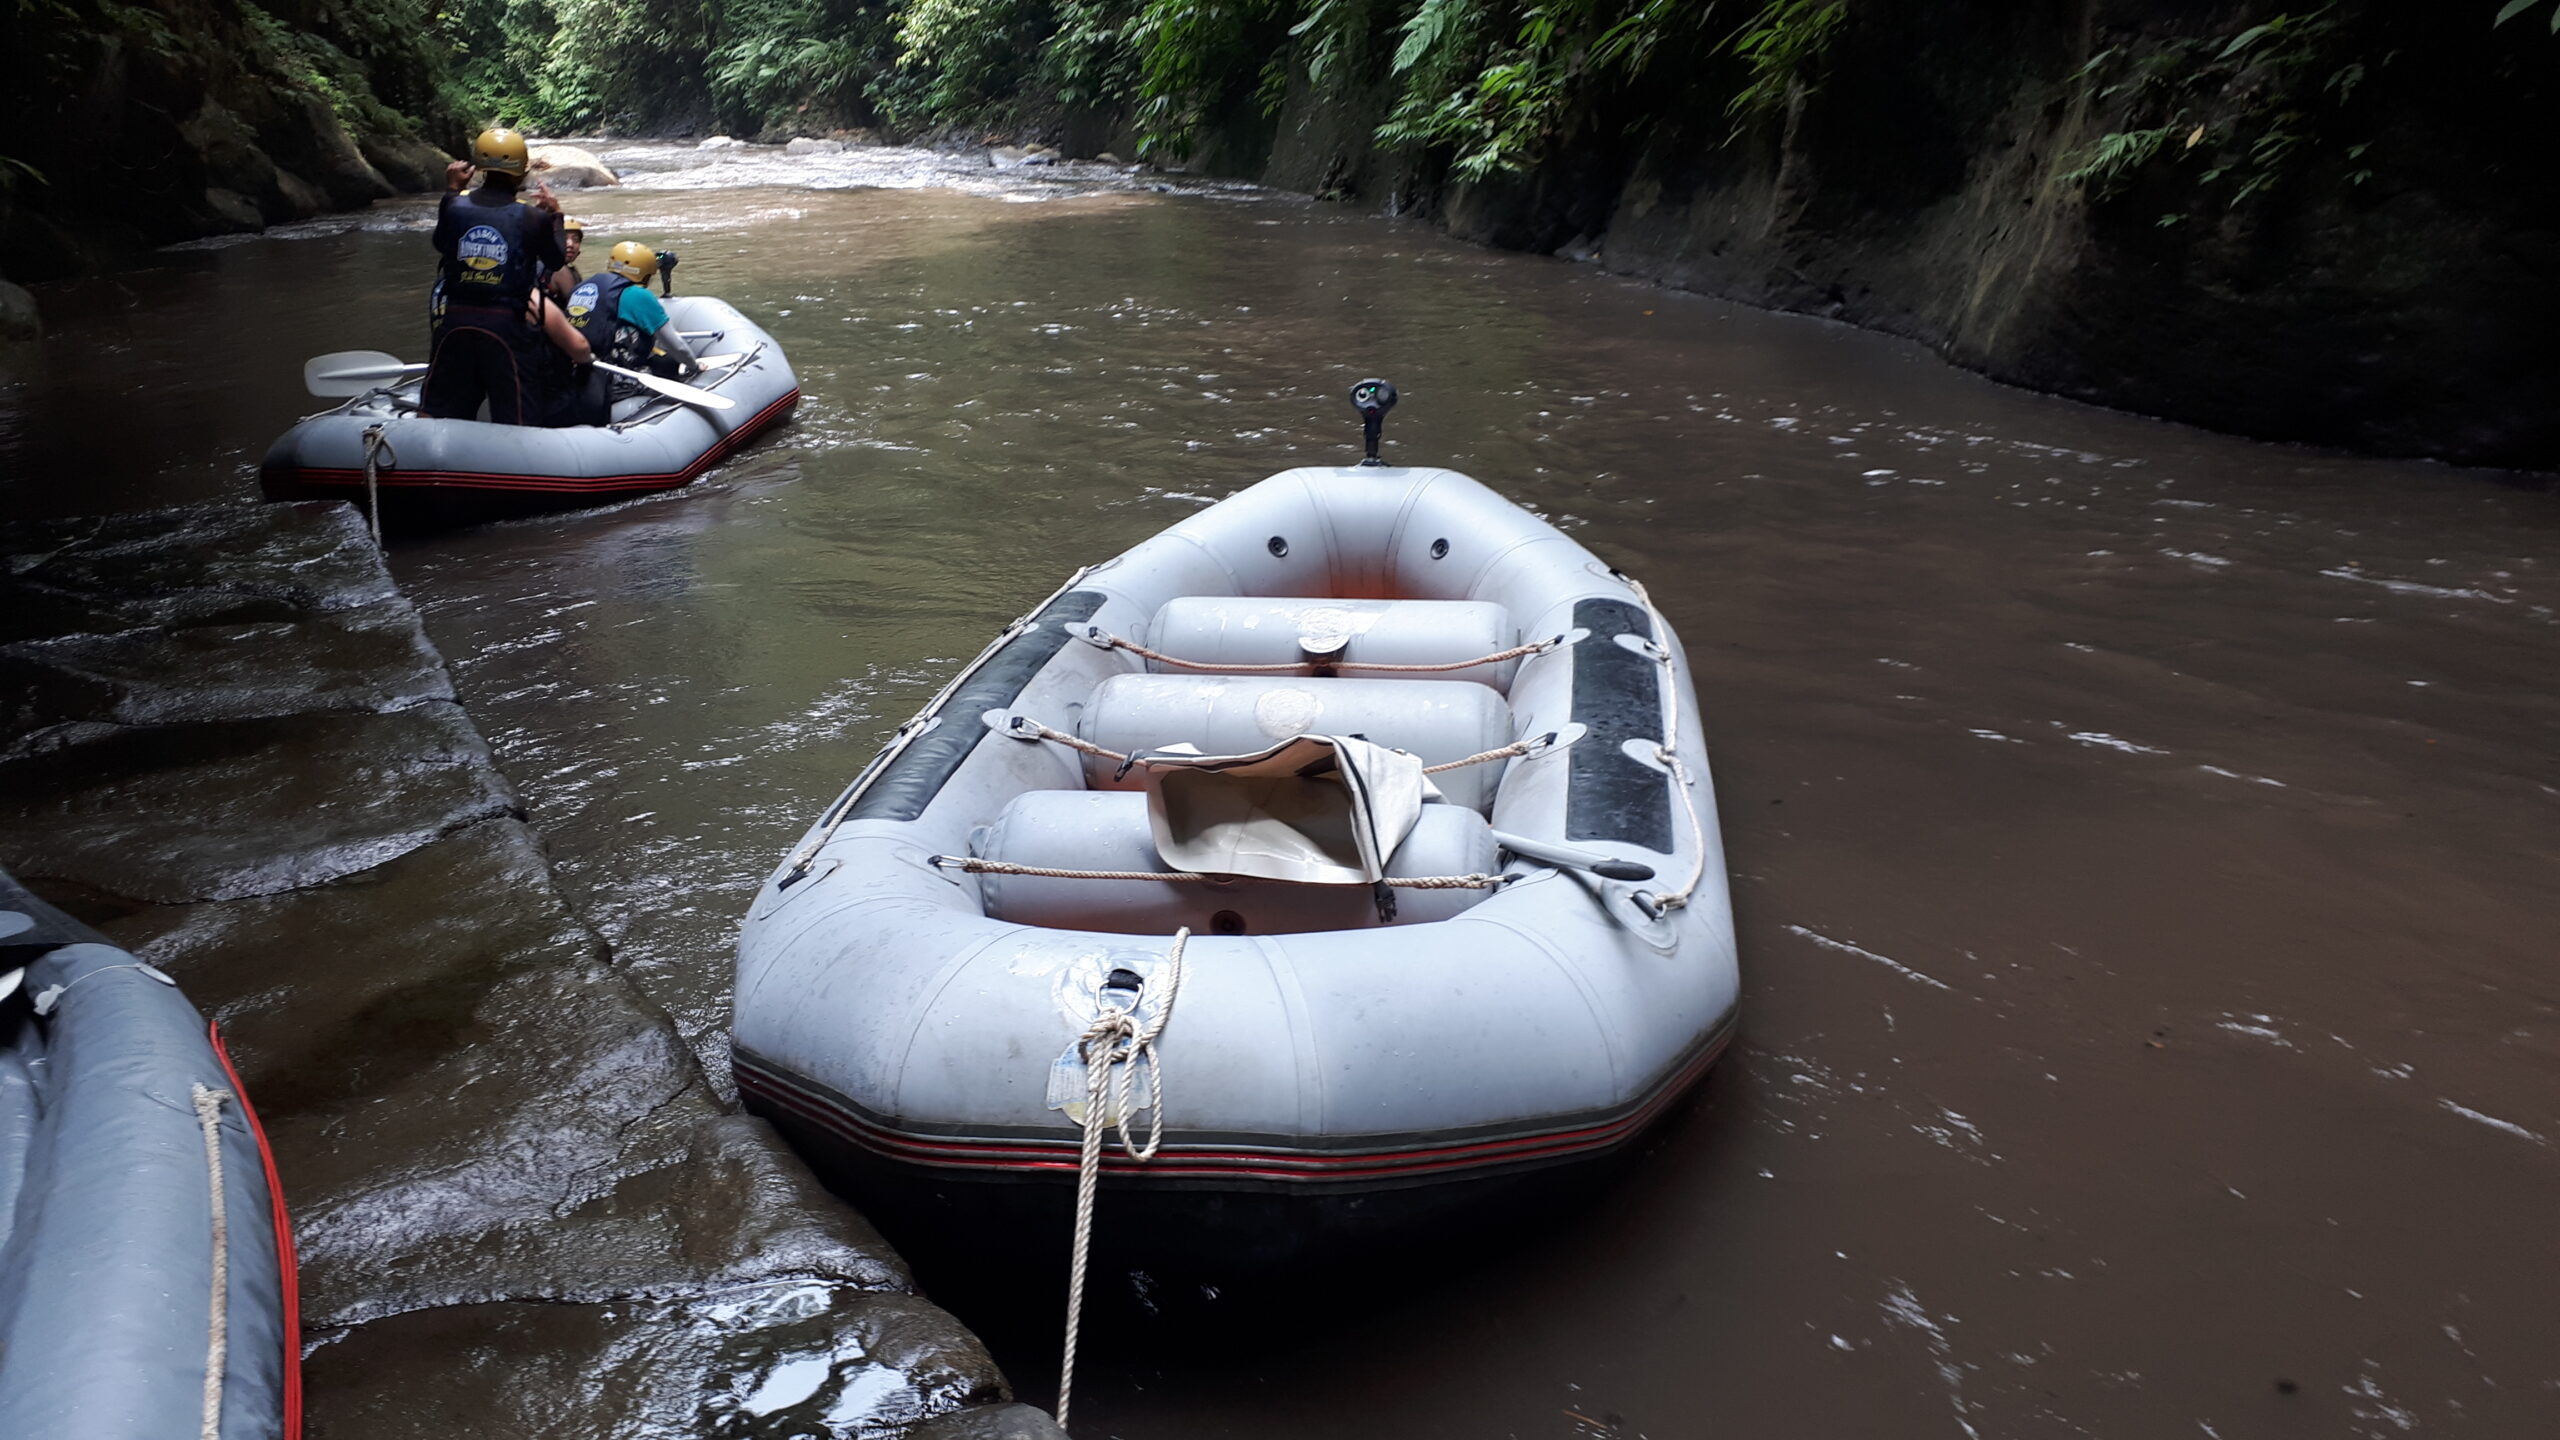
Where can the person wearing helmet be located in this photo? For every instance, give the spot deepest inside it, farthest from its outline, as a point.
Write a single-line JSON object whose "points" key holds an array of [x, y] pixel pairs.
{"points": [[495, 246], [573, 235], [626, 325]]}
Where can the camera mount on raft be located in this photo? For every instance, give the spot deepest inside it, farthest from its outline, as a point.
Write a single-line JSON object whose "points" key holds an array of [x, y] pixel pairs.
{"points": [[1373, 399]]}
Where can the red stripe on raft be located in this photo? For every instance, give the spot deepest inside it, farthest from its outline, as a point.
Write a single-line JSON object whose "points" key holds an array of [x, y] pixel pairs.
{"points": [[288, 1270], [1179, 1161], [552, 484]]}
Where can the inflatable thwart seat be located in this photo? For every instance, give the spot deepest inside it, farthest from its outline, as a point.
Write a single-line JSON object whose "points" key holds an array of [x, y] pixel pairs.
{"points": [[1422, 779]]}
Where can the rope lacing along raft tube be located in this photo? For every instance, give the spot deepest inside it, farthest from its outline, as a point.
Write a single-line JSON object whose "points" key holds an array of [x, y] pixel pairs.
{"points": [[973, 865], [1668, 753], [208, 1106], [1023, 727], [1096, 636], [1116, 1041]]}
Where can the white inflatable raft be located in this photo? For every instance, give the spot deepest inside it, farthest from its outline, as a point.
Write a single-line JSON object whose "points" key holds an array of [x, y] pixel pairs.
{"points": [[1543, 962], [453, 471]]}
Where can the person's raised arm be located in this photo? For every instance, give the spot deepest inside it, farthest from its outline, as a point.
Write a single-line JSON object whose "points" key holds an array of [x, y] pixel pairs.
{"points": [[550, 239]]}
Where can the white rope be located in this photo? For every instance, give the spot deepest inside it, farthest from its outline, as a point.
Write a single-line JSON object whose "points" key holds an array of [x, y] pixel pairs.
{"points": [[374, 443], [208, 1104], [1096, 635], [1025, 726], [971, 864], [1114, 1041], [1668, 752]]}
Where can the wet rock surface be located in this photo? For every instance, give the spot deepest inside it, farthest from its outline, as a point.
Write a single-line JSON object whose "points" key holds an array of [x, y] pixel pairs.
{"points": [[521, 1208]]}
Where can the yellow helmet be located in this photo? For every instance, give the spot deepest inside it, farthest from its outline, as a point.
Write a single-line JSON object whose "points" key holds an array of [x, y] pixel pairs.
{"points": [[633, 261], [501, 150], [574, 225]]}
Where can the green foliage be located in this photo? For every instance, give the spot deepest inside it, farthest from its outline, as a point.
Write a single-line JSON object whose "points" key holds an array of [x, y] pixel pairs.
{"points": [[2248, 105], [308, 60], [1089, 60], [1497, 100], [2111, 158], [1190, 54], [772, 58], [962, 57], [1782, 46]]}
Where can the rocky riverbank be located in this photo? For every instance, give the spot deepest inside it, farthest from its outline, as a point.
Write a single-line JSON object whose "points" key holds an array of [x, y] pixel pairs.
{"points": [[131, 126], [231, 746]]}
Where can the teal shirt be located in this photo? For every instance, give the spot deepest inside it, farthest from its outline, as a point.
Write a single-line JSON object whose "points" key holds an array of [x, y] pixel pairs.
{"points": [[642, 309]]}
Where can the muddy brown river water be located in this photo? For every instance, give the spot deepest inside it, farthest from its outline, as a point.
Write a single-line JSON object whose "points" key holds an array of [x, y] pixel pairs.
{"points": [[2144, 841]]}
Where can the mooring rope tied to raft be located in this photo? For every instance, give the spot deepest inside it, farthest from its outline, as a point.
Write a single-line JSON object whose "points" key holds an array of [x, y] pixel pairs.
{"points": [[1115, 1041], [1026, 728], [975, 866], [1104, 639], [375, 442], [208, 1106]]}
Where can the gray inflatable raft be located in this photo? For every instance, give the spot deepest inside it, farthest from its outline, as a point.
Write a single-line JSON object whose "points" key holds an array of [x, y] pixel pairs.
{"points": [[457, 471], [145, 1270], [1543, 963]]}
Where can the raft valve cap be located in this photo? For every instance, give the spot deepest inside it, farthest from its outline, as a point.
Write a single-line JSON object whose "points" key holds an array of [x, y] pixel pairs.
{"points": [[1373, 399]]}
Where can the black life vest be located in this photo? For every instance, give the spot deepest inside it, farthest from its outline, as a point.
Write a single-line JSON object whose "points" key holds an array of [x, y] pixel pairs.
{"points": [[595, 307], [492, 264]]}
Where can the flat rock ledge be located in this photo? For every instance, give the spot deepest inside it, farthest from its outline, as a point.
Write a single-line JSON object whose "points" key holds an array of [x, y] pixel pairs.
{"points": [[226, 740]]}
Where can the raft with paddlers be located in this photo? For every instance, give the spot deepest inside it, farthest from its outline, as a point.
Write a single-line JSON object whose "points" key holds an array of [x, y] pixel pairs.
{"points": [[377, 450], [146, 1265]]}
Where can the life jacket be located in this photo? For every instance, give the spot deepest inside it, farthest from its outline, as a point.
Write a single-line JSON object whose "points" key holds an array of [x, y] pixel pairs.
{"points": [[595, 307], [492, 266]]}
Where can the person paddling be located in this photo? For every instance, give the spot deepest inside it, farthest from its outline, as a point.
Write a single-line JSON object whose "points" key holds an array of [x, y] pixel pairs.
{"points": [[489, 345], [626, 326]]}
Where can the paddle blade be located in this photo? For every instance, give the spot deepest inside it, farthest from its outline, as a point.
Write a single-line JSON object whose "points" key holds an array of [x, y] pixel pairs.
{"points": [[673, 391], [353, 372]]}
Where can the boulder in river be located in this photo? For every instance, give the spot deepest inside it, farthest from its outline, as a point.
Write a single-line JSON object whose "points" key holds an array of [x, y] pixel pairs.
{"points": [[230, 212], [1014, 157], [806, 145], [304, 198], [412, 165], [566, 167], [629, 162], [18, 317]]}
